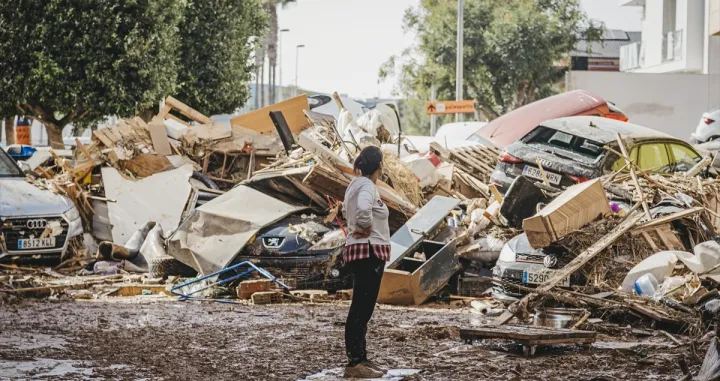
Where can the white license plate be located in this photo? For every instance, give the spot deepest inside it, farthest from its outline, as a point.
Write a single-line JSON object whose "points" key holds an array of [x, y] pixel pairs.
{"points": [[531, 277], [36, 243], [535, 173]]}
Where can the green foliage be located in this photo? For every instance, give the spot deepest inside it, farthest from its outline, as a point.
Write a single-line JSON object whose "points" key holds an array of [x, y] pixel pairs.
{"points": [[79, 60], [511, 51], [214, 55]]}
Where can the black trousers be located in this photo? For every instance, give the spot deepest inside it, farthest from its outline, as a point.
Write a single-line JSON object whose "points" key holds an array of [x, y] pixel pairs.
{"points": [[367, 274]]}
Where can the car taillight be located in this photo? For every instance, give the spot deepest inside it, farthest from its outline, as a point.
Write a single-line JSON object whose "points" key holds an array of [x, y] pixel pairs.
{"points": [[708, 120], [508, 158], [578, 179]]}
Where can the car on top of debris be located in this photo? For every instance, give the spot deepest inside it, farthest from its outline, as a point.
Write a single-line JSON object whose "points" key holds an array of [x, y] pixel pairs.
{"points": [[34, 221], [571, 150], [300, 248], [510, 127]]}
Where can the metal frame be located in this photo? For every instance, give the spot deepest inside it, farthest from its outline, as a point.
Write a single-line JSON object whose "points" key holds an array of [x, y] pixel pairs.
{"points": [[262, 271]]}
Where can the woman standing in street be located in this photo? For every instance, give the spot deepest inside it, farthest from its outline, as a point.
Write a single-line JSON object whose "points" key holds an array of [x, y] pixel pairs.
{"points": [[366, 250]]}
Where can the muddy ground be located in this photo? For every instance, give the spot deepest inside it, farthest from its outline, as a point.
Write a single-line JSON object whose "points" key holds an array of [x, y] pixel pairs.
{"points": [[169, 340]]}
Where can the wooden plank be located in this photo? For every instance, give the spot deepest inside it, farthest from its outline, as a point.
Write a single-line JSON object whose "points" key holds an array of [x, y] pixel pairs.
{"points": [[165, 110], [634, 177], [187, 110], [671, 217], [292, 109], [477, 164], [103, 139], [160, 141], [527, 333], [496, 193], [669, 238], [697, 168], [650, 241], [576, 263]]}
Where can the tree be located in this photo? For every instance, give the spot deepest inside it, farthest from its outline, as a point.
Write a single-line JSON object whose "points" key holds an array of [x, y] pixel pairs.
{"points": [[216, 45], [77, 61], [511, 52]]}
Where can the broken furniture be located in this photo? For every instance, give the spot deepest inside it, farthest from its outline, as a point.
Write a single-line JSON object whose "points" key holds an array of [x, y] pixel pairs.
{"points": [[409, 278], [292, 109], [576, 207], [529, 337]]}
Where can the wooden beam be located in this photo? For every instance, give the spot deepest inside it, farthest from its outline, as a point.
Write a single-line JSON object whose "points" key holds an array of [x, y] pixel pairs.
{"points": [[187, 110], [671, 217], [634, 177], [574, 265]]}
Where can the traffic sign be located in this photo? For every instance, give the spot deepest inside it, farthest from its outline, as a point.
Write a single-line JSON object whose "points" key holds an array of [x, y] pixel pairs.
{"points": [[450, 107]]}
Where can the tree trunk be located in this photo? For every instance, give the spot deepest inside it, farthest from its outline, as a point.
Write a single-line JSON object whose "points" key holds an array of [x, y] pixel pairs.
{"points": [[10, 131], [146, 114], [55, 137]]}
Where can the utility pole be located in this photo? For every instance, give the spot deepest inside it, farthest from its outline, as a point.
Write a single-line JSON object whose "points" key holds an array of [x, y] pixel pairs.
{"points": [[433, 117], [459, 68], [297, 60], [280, 64]]}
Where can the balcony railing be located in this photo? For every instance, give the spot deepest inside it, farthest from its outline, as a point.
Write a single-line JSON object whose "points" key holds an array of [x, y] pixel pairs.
{"points": [[632, 56], [672, 46]]}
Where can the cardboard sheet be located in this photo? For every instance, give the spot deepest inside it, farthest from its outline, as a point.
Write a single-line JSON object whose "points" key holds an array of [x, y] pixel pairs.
{"points": [[160, 198], [292, 109], [214, 233]]}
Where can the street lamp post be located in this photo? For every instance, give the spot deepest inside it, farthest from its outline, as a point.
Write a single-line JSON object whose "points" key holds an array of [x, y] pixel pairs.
{"points": [[280, 63], [459, 68], [297, 59]]}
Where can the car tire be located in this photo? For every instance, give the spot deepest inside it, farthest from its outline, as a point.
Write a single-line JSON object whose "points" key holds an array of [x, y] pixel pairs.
{"points": [[165, 266]]}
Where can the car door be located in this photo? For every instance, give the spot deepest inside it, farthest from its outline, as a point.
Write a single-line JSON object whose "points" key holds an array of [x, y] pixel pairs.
{"points": [[683, 157]]}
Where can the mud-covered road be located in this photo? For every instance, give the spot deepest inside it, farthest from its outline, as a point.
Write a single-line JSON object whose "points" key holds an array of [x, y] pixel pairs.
{"points": [[168, 340]]}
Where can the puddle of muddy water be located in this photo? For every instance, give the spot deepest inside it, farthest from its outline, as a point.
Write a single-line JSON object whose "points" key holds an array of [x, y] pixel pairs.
{"points": [[337, 373], [30, 341], [43, 367]]}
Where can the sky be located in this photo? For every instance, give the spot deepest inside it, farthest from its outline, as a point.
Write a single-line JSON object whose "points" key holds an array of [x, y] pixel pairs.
{"points": [[346, 41]]}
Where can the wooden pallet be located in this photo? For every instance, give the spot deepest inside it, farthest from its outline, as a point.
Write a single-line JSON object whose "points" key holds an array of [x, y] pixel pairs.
{"points": [[477, 161], [529, 336]]}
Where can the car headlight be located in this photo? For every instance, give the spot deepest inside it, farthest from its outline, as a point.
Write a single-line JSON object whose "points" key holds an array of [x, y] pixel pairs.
{"points": [[329, 241], [507, 254], [75, 227]]}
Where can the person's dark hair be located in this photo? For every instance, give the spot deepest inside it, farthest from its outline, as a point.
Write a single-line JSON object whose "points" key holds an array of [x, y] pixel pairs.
{"points": [[368, 161]]}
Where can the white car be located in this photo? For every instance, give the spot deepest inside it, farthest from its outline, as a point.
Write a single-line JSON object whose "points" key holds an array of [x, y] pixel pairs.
{"points": [[708, 129], [459, 131]]}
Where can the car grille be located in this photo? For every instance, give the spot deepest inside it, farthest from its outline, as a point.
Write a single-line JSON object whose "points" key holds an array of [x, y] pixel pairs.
{"points": [[530, 258], [15, 229]]}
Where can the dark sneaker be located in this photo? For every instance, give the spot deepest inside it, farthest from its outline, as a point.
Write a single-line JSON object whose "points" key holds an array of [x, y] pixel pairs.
{"points": [[361, 371], [375, 366]]}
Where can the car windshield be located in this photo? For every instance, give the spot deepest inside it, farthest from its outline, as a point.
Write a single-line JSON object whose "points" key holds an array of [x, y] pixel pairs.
{"points": [[479, 139], [8, 168], [565, 145]]}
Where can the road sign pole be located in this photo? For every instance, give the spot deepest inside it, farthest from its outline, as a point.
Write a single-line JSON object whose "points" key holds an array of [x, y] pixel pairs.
{"points": [[433, 117], [459, 67]]}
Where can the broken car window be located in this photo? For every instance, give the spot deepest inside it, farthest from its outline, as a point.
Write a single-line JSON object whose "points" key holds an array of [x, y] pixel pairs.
{"points": [[564, 144]]}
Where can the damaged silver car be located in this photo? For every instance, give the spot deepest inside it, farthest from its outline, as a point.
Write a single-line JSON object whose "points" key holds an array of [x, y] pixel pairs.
{"points": [[34, 221]]}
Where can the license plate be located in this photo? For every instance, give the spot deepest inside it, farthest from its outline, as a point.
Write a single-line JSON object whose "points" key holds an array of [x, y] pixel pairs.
{"points": [[535, 173], [36, 243], [532, 277]]}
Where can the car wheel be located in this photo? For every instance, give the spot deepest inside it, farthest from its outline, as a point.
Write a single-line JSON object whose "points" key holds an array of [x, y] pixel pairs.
{"points": [[165, 266]]}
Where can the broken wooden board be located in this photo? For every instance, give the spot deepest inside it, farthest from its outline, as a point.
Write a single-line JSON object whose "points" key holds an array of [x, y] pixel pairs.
{"points": [[660, 237], [529, 336], [578, 262], [160, 141], [579, 205], [292, 109], [138, 289], [172, 103]]}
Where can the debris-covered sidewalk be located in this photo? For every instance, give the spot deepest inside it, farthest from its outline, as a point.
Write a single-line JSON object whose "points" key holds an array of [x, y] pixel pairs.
{"points": [[184, 208], [86, 340]]}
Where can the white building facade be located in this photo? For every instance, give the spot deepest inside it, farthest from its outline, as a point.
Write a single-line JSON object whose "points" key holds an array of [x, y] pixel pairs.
{"points": [[676, 38]]}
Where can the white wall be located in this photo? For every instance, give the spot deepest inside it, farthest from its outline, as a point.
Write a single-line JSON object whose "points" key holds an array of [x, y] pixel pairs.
{"points": [[671, 103]]}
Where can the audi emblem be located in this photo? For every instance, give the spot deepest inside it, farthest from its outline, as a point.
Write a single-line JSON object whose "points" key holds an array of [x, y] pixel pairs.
{"points": [[36, 224]]}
